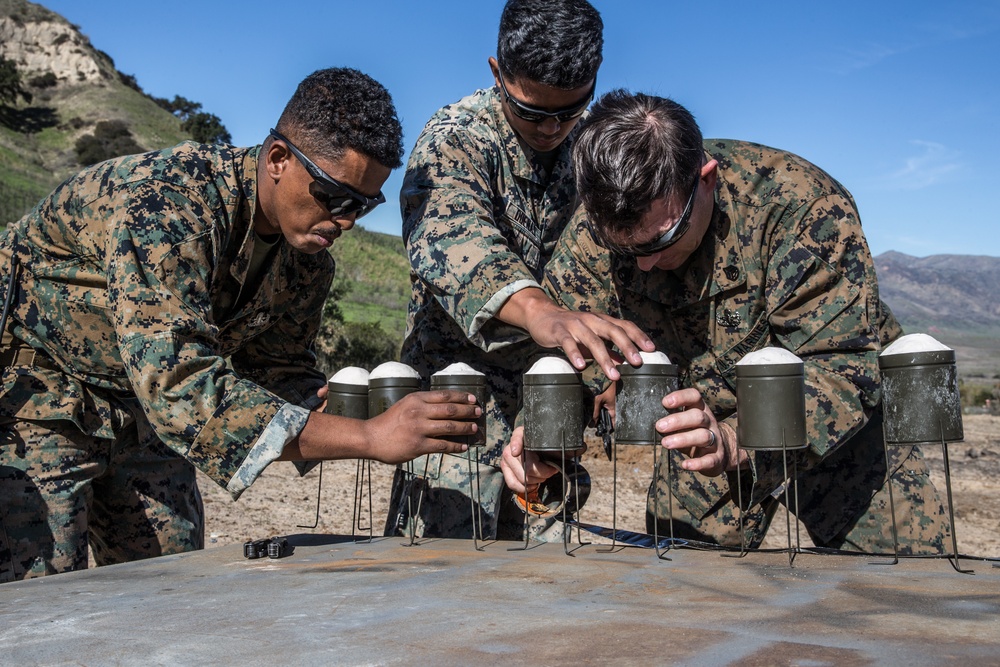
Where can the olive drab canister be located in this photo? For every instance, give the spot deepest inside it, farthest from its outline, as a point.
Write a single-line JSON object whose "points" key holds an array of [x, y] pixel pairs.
{"points": [[554, 407], [389, 383], [639, 403], [462, 377], [770, 400], [347, 394], [920, 396]]}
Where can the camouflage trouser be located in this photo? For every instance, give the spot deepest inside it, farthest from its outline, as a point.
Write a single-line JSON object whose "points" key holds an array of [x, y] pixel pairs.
{"points": [[921, 519], [60, 489], [447, 506]]}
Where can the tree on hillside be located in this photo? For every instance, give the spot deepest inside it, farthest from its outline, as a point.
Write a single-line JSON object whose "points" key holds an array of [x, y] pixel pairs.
{"points": [[10, 83], [207, 128], [203, 127], [110, 139]]}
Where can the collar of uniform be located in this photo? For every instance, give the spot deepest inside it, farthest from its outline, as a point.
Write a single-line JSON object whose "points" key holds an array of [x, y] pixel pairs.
{"points": [[248, 205], [523, 159]]}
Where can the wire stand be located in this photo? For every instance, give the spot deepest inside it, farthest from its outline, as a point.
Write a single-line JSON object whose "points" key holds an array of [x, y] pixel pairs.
{"points": [[792, 480], [953, 557], [319, 493], [362, 475], [420, 481], [475, 499], [657, 462]]}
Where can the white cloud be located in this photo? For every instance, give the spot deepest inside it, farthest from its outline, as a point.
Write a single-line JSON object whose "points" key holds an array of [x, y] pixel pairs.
{"points": [[932, 164]]}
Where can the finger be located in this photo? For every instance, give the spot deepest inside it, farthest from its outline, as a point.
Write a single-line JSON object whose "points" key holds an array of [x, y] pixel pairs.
{"points": [[513, 474], [446, 396], [516, 442], [434, 446], [689, 398]]}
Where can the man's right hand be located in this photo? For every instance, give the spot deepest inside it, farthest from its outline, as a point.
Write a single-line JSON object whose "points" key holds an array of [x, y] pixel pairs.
{"points": [[514, 473], [417, 423]]}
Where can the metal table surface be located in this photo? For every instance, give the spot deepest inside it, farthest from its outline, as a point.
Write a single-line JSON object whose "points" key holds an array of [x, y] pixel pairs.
{"points": [[333, 601]]}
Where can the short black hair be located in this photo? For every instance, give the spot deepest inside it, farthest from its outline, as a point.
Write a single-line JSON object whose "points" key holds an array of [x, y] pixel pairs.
{"points": [[339, 108], [632, 150], [557, 43]]}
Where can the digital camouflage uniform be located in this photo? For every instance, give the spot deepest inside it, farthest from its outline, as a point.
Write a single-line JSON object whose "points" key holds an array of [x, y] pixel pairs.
{"points": [[480, 219], [784, 263], [128, 303]]}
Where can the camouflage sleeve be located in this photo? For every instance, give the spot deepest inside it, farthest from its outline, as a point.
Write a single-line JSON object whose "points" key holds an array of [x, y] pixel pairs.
{"points": [[454, 243], [160, 269], [578, 276], [822, 297]]}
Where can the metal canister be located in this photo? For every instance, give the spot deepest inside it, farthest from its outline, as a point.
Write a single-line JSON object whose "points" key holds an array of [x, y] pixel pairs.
{"points": [[920, 397], [771, 405], [348, 399], [639, 404], [474, 384], [384, 392], [554, 412]]}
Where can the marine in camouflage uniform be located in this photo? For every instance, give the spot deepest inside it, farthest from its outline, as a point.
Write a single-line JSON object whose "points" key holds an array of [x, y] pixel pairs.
{"points": [[162, 316], [480, 219], [784, 262], [482, 210], [129, 299]]}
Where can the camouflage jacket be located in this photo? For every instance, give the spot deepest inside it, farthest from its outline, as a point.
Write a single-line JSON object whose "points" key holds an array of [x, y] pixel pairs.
{"points": [[130, 285], [784, 263], [480, 219]]}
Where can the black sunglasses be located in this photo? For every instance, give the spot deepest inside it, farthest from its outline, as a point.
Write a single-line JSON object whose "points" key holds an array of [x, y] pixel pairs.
{"points": [[338, 199], [672, 235], [536, 115]]}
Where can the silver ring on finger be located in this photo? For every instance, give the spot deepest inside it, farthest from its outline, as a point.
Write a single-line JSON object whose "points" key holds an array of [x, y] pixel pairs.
{"points": [[711, 443]]}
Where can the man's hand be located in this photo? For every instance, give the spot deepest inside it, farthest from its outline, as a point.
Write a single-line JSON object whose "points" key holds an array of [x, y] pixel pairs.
{"points": [[579, 335], [416, 424], [711, 446], [514, 473]]}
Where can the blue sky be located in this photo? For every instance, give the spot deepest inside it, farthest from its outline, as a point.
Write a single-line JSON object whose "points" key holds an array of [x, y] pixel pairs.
{"points": [[897, 100]]}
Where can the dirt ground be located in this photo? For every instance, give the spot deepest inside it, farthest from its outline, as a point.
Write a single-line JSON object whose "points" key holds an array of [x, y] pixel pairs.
{"points": [[282, 503]]}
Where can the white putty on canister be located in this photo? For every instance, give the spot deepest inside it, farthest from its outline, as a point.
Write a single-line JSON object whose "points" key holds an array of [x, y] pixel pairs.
{"points": [[767, 356], [915, 342], [549, 365], [393, 369], [351, 375], [459, 368]]}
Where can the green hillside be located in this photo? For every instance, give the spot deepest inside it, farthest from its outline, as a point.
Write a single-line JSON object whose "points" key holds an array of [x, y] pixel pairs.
{"points": [[374, 270]]}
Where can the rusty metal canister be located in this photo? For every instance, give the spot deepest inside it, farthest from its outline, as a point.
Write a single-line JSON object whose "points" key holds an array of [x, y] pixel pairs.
{"points": [[639, 404], [920, 398], [771, 406], [554, 410]]}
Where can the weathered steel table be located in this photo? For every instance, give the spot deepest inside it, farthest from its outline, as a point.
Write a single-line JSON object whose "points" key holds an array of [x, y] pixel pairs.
{"points": [[441, 602]]}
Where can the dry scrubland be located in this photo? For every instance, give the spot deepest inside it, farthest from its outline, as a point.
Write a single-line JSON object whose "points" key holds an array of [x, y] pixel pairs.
{"points": [[280, 501]]}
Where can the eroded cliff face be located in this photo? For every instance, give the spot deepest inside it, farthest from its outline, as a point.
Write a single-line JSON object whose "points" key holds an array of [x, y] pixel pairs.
{"points": [[52, 45]]}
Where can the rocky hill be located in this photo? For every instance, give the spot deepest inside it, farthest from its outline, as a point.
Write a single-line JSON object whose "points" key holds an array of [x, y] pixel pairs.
{"points": [[72, 86]]}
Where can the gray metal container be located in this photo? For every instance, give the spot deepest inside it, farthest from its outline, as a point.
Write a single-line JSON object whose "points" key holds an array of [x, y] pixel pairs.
{"points": [[771, 406], [384, 392], [639, 404], [920, 398], [475, 385], [347, 400], [554, 410]]}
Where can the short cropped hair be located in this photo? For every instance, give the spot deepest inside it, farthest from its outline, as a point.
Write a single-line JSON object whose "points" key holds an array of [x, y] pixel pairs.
{"points": [[557, 43], [339, 108], [632, 150]]}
